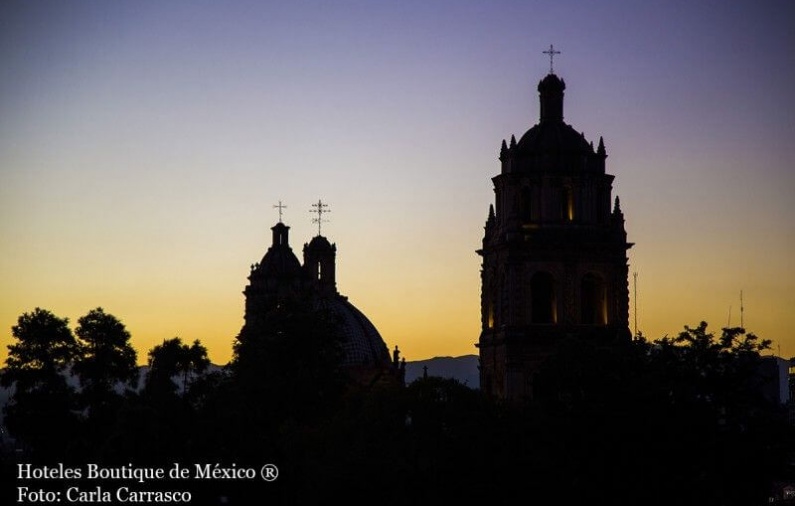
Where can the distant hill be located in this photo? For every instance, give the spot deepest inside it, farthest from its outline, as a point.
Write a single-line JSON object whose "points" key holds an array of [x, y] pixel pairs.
{"points": [[464, 369]]}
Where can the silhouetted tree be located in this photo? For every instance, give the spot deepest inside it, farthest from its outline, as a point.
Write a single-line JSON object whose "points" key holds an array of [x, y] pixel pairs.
{"points": [[171, 360], [284, 384], [684, 417], [41, 411], [160, 422], [290, 363], [165, 363], [107, 359], [722, 372], [194, 364], [728, 437]]}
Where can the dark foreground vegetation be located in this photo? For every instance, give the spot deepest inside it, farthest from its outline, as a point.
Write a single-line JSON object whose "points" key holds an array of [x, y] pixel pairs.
{"points": [[675, 421]]}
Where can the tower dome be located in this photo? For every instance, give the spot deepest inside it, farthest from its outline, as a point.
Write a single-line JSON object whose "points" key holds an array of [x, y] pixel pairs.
{"points": [[551, 144], [275, 277], [279, 260]]}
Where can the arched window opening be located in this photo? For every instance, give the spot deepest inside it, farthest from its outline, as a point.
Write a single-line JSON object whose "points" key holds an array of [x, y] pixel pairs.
{"points": [[542, 294], [319, 270], [593, 303], [490, 315]]}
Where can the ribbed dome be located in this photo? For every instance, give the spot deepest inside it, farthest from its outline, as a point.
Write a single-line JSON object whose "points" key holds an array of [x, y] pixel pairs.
{"points": [[361, 343]]}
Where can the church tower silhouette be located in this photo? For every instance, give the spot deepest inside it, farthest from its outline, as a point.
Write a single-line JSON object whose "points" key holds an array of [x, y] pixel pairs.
{"points": [[554, 255]]}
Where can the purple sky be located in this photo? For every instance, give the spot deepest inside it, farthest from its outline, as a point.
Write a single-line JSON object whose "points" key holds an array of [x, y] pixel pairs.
{"points": [[143, 145]]}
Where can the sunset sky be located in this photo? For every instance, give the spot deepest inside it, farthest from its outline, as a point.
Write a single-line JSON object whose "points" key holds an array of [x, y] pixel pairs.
{"points": [[143, 145]]}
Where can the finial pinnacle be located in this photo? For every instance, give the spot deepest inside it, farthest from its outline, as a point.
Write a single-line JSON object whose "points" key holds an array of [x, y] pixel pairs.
{"points": [[551, 52], [320, 208], [280, 206]]}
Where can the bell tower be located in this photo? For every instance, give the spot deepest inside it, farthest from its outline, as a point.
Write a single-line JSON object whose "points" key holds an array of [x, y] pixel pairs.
{"points": [[320, 265], [554, 254]]}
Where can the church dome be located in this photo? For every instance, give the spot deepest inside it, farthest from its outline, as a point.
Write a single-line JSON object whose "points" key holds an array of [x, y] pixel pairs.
{"points": [[362, 345], [553, 137], [552, 145], [280, 261], [552, 134], [280, 277]]}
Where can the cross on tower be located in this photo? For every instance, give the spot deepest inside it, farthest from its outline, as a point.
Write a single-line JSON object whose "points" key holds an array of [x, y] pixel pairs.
{"points": [[280, 206], [551, 52], [319, 208]]}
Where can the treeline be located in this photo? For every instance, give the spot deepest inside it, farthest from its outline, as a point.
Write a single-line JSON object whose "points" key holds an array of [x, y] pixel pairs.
{"points": [[72, 390], [674, 421]]}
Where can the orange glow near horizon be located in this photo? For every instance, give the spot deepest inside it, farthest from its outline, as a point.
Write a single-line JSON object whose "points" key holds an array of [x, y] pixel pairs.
{"points": [[433, 312], [430, 323]]}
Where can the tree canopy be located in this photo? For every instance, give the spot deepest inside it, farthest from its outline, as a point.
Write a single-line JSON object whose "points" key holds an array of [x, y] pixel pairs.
{"points": [[175, 360], [42, 409], [44, 350], [106, 356]]}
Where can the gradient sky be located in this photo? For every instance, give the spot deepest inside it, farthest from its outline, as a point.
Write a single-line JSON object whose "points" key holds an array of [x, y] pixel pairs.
{"points": [[143, 145]]}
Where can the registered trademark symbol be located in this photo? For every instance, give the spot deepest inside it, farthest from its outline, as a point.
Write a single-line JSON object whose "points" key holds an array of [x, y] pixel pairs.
{"points": [[269, 472]]}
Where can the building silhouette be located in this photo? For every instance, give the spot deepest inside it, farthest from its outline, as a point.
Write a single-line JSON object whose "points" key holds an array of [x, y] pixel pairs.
{"points": [[554, 255], [279, 278]]}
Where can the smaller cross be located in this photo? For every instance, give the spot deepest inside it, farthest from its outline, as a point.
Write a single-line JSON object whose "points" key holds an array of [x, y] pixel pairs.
{"points": [[280, 206], [319, 208], [551, 52]]}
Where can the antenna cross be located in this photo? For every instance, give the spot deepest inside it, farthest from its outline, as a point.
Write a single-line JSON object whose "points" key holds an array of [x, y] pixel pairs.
{"points": [[551, 52], [319, 209], [280, 206]]}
